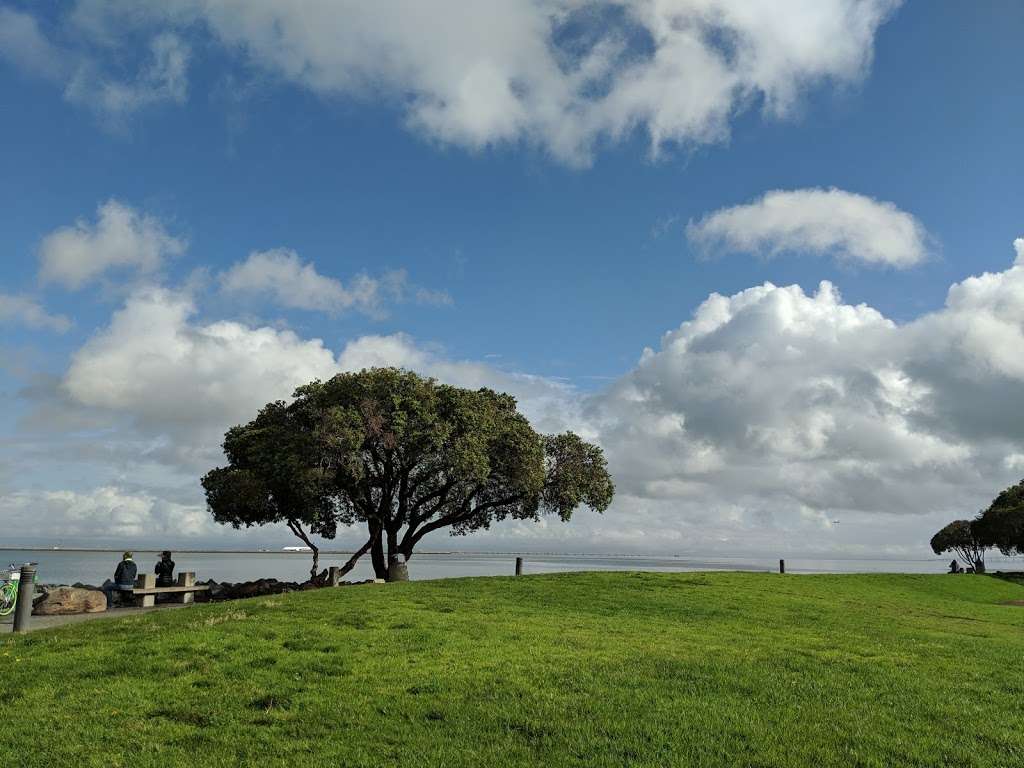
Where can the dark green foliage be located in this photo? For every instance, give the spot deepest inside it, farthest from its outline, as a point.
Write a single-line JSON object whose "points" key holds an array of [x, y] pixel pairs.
{"points": [[1002, 524], [403, 456], [273, 477], [961, 538]]}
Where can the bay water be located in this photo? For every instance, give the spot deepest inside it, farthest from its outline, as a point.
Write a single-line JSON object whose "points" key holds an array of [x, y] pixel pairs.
{"points": [[93, 566]]}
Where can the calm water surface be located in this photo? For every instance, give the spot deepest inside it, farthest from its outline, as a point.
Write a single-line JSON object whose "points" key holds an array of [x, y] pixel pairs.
{"points": [[66, 567]]}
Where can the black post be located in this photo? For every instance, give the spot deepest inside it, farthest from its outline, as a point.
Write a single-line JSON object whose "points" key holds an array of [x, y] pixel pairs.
{"points": [[519, 566], [26, 591], [782, 566]]}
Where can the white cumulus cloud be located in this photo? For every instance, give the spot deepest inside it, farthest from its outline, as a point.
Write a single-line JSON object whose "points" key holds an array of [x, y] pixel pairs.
{"points": [[832, 222], [181, 383], [186, 382], [121, 238], [772, 413], [281, 276]]}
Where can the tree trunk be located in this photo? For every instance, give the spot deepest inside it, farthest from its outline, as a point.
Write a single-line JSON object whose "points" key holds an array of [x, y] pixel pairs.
{"points": [[316, 563], [392, 544], [351, 562], [380, 564], [297, 529]]}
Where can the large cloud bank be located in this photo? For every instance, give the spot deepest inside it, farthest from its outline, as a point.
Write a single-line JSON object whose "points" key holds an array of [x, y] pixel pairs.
{"points": [[773, 419], [106, 512]]}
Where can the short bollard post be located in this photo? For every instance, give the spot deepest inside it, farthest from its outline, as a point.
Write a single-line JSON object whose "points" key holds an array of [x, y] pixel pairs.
{"points": [[26, 591], [186, 579], [782, 566], [145, 581], [334, 576], [519, 566]]}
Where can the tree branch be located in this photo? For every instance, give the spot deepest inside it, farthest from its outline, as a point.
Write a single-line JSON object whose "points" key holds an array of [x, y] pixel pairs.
{"points": [[453, 519], [351, 562]]}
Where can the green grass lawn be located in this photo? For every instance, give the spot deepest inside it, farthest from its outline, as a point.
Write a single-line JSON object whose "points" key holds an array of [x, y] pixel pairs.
{"points": [[598, 669]]}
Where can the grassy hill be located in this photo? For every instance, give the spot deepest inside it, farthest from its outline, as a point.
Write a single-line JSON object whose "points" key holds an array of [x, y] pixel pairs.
{"points": [[598, 669]]}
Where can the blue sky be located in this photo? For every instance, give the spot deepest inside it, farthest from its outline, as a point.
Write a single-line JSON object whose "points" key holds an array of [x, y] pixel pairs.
{"points": [[540, 261]]}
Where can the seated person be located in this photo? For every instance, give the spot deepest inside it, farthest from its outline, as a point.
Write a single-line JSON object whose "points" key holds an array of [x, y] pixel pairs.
{"points": [[165, 570], [124, 579]]}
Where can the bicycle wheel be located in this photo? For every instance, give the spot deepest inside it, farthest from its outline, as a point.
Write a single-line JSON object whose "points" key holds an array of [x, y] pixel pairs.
{"points": [[8, 597]]}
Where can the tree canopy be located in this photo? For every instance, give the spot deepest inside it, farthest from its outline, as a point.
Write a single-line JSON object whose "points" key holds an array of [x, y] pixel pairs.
{"points": [[1002, 524], [403, 456], [961, 538], [273, 477]]}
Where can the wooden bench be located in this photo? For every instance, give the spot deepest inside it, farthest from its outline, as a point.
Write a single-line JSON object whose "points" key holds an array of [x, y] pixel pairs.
{"points": [[146, 590]]}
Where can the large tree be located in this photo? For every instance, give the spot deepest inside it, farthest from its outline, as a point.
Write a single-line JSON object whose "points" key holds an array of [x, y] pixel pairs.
{"points": [[1002, 524], [402, 456], [961, 538]]}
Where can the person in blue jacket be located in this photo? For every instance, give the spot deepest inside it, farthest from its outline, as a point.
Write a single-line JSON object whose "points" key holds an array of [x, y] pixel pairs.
{"points": [[124, 579]]}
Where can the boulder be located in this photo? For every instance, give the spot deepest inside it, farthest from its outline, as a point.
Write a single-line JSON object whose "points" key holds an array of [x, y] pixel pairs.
{"points": [[215, 591], [65, 600]]}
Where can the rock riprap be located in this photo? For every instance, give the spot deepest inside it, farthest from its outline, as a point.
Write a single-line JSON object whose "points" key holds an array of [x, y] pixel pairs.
{"points": [[225, 590]]}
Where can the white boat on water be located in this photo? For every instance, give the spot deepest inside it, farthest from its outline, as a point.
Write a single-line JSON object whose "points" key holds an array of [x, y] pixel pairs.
{"points": [[296, 549]]}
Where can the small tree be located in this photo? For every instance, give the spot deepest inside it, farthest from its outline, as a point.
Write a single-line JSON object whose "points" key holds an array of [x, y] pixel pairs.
{"points": [[403, 456], [960, 537], [1002, 524]]}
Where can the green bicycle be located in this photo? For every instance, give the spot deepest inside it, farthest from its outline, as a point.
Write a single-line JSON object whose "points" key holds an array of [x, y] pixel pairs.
{"points": [[9, 590]]}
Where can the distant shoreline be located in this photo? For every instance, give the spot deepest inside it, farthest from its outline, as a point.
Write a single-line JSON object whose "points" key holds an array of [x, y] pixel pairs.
{"points": [[200, 551], [460, 553]]}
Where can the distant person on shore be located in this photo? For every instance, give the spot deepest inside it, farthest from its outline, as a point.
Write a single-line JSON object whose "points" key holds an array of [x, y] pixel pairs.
{"points": [[165, 570], [124, 579]]}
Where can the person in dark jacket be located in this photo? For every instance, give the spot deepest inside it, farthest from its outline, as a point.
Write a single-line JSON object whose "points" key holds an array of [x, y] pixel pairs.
{"points": [[165, 570], [124, 579]]}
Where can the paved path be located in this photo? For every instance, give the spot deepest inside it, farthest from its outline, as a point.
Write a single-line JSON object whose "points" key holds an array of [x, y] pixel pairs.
{"points": [[46, 622]]}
